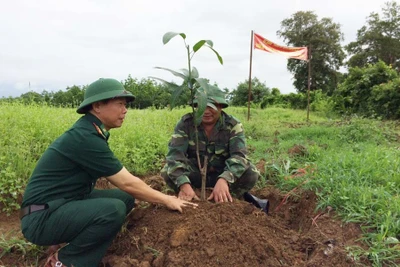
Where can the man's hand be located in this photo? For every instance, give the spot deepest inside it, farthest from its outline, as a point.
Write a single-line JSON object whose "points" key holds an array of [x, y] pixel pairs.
{"points": [[220, 192], [187, 193], [175, 203], [134, 186]]}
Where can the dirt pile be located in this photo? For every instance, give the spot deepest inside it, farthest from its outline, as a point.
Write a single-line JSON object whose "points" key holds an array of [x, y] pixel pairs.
{"points": [[235, 234]]}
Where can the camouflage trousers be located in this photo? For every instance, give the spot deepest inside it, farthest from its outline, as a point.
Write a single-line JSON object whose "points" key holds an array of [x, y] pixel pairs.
{"points": [[243, 184]]}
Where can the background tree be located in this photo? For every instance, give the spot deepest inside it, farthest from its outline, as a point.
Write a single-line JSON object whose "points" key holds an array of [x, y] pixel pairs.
{"points": [[31, 97], [74, 96], [59, 99], [71, 97], [147, 92], [378, 40], [259, 90], [359, 94], [47, 96], [324, 36], [385, 99]]}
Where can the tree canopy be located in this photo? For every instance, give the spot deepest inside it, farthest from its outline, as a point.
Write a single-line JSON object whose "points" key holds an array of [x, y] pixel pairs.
{"points": [[367, 90], [378, 40], [323, 38], [239, 96]]}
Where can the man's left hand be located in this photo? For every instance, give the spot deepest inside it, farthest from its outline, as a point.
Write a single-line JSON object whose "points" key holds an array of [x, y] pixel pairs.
{"points": [[220, 192]]}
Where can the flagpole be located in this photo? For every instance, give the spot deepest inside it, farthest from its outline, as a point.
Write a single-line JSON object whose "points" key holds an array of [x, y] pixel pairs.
{"points": [[251, 63], [309, 82]]}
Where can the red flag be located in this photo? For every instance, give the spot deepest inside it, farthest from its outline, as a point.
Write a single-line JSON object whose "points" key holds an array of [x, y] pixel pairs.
{"points": [[290, 52]]}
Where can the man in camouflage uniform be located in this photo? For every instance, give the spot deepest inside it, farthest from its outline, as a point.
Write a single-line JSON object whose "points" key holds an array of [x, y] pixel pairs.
{"points": [[221, 138]]}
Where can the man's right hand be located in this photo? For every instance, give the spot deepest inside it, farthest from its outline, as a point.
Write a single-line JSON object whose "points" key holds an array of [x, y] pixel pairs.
{"points": [[187, 193], [175, 203]]}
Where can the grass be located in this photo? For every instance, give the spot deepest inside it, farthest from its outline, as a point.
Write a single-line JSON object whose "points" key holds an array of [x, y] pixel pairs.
{"points": [[352, 163], [14, 245]]}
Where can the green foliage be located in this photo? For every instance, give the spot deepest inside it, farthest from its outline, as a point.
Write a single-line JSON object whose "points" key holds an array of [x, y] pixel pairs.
{"points": [[295, 101], [71, 97], [356, 166], [10, 186], [385, 99], [378, 40], [142, 143], [319, 102], [199, 88], [18, 246], [323, 36], [147, 93], [363, 186], [359, 131], [240, 95], [358, 94], [31, 97], [371, 91], [26, 132]]}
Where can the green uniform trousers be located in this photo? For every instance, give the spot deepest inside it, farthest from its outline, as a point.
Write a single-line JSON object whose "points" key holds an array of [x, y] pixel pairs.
{"points": [[88, 225], [238, 188]]}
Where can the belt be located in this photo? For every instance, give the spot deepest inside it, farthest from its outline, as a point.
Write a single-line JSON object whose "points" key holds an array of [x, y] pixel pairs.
{"points": [[31, 208]]}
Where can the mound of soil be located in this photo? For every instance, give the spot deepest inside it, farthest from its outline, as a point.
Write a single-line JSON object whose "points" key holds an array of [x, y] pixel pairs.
{"points": [[235, 234], [228, 234]]}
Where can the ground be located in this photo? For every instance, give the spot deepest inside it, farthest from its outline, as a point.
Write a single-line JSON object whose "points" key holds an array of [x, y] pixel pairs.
{"points": [[225, 234]]}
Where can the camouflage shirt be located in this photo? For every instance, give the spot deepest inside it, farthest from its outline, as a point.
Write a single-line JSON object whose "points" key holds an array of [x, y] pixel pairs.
{"points": [[226, 149]]}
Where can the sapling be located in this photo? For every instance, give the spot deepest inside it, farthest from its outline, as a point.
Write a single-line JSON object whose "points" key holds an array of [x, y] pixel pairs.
{"points": [[199, 89]]}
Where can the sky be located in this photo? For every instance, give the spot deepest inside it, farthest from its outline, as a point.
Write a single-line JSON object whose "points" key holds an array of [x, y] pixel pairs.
{"points": [[54, 44]]}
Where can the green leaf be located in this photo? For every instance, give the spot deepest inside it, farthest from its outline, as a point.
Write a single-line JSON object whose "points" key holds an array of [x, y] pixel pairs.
{"points": [[176, 90], [203, 84], [169, 35], [178, 74], [210, 43], [193, 85], [219, 57], [195, 73], [185, 72], [198, 45], [201, 97], [169, 84], [175, 95]]}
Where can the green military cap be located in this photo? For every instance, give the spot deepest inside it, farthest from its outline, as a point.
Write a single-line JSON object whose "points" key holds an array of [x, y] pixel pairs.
{"points": [[102, 89], [215, 96]]}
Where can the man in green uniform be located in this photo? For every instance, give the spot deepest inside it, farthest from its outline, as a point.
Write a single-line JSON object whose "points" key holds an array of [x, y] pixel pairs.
{"points": [[60, 204], [222, 140]]}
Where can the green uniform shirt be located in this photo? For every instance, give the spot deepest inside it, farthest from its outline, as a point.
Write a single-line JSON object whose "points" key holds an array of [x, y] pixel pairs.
{"points": [[226, 149], [71, 165]]}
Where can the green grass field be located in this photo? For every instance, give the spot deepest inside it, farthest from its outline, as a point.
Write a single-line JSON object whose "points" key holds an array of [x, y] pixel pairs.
{"points": [[355, 161]]}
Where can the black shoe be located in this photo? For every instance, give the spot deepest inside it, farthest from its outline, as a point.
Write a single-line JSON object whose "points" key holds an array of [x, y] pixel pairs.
{"points": [[262, 204]]}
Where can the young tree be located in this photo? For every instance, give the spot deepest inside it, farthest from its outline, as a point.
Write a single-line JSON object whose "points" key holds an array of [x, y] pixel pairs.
{"points": [[378, 40], [198, 88], [323, 37]]}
